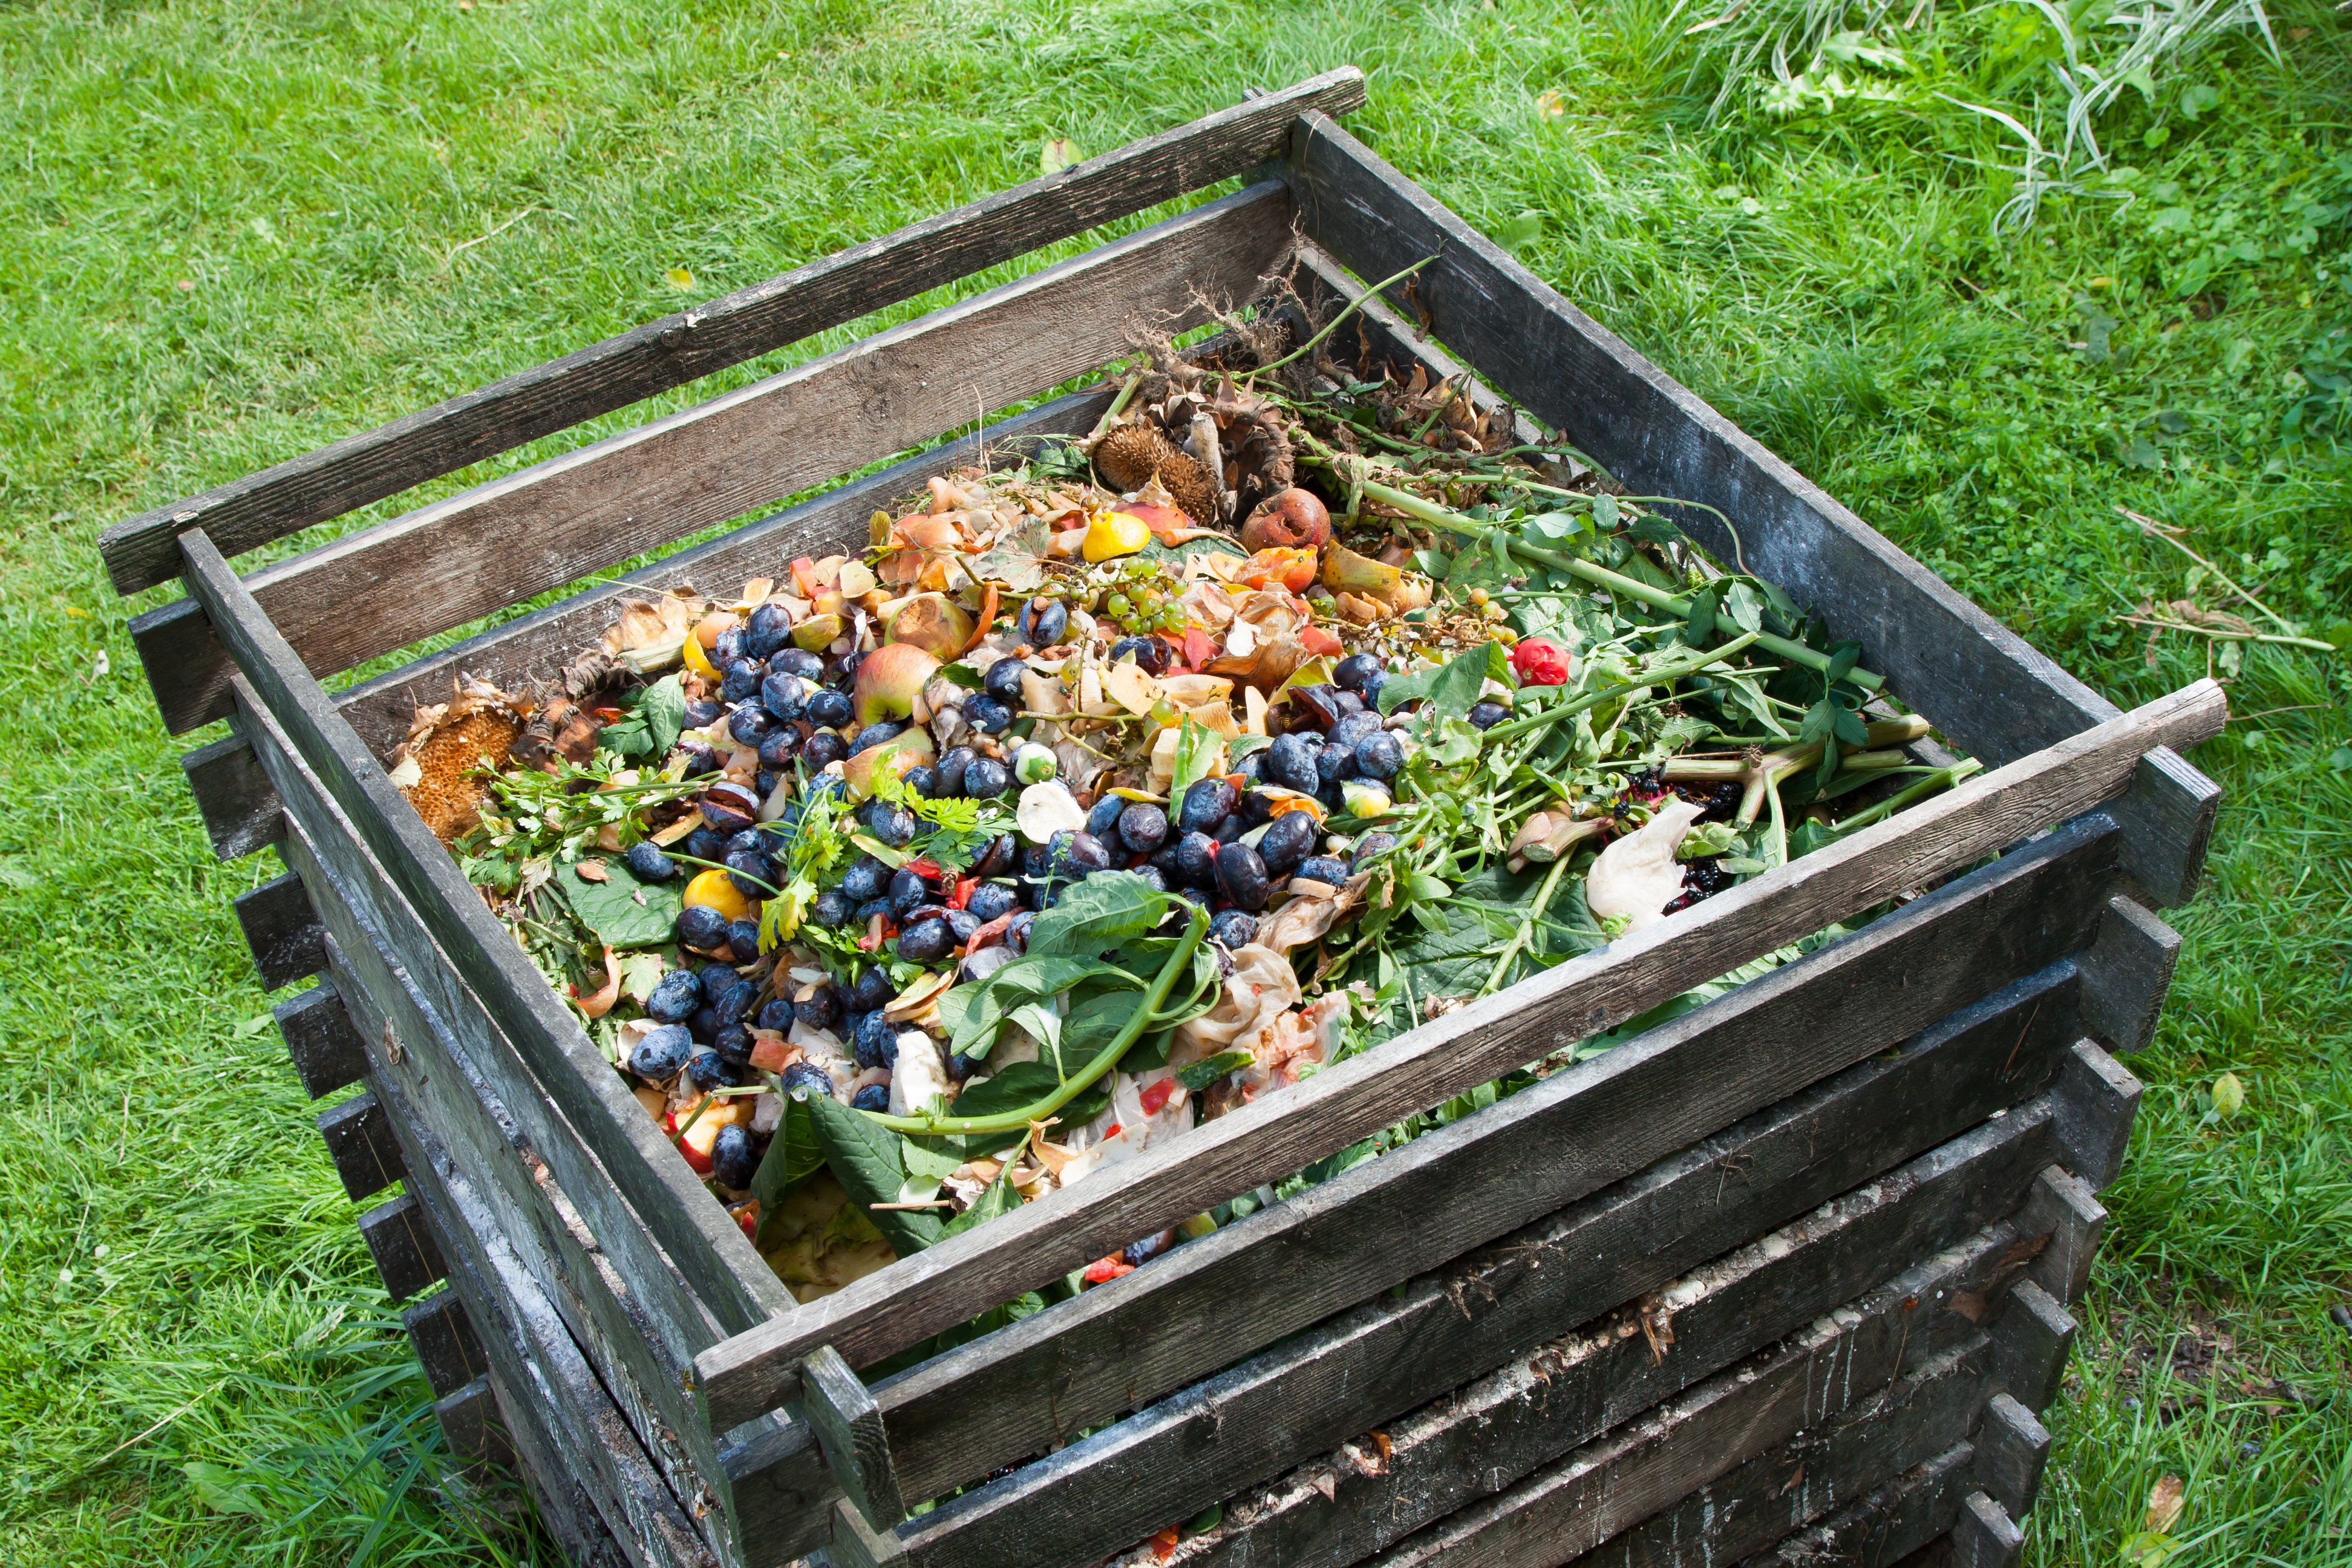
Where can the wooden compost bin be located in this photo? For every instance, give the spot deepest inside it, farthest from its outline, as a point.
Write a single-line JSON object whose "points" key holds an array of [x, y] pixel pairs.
{"points": [[1785, 1275]]}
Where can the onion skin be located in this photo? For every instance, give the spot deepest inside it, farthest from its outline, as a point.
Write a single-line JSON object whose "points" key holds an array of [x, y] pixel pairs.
{"points": [[1295, 519]]}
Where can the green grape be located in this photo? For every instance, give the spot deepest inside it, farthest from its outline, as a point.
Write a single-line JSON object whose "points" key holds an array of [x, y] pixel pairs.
{"points": [[1117, 607]]}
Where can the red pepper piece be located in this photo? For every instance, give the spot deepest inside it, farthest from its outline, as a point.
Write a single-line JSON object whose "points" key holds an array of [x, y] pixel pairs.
{"points": [[1156, 1095], [1103, 1270], [1164, 1544], [962, 895]]}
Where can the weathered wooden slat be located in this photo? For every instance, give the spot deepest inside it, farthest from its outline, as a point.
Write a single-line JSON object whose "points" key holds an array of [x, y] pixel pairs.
{"points": [[446, 1345], [559, 1415], [637, 1332], [951, 1419], [404, 1251], [2065, 1207], [519, 652], [2104, 1097], [2032, 1340], [473, 1428], [707, 1247], [359, 1141], [950, 1282], [1677, 1488], [1389, 1356], [1981, 682], [502, 542], [281, 931], [2012, 1446], [2125, 976], [251, 511], [1339, 1507], [234, 798], [320, 1038], [849, 1427], [1904, 1519], [1984, 1536]]}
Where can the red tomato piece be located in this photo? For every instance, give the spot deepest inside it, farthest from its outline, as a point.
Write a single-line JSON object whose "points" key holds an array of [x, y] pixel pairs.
{"points": [[1155, 1096], [1103, 1270], [1164, 1544]]}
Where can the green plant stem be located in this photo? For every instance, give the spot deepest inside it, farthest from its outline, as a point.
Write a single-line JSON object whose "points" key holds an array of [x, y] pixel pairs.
{"points": [[1940, 779], [1527, 926], [2222, 635], [1664, 675], [1601, 577], [1180, 961], [1353, 305]]}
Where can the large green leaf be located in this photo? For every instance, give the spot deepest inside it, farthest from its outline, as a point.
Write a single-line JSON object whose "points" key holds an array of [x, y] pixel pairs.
{"points": [[1096, 914], [866, 1160], [1463, 935], [1448, 690], [794, 1156], [623, 912]]}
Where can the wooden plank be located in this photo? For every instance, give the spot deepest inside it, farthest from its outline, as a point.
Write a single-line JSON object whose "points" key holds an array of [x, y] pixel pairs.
{"points": [[2064, 1207], [570, 1434], [280, 930], [638, 1333], [1212, 1300], [320, 1038], [2102, 1098], [2125, 976], [1677, 1488], [239, 812], [1625, 1247], [516, 653], [782, 1492], [1396, 1352], [1983, 685], [949, 1283], [446, 1345], [849, 1427], [502, 542], [1984, 1536], [2012, 1448], [2031, 1340], [1905, 1518], [473, 1428], [404, 1253], [359, 1141], [708, 1247], [251, 511]]}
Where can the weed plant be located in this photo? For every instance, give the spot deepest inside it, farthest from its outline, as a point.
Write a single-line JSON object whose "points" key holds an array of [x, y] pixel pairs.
{"points": [[234, 232]]}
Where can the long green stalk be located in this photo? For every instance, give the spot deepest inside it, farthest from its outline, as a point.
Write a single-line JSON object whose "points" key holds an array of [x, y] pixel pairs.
{"points": [[1664, 675], [1180, 961], [1601, 577]]}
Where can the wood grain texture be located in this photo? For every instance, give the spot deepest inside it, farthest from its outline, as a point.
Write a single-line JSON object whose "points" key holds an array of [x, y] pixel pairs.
{"points": [[404, 1251], [2032, 1340], [576, 1443], [2065, 1208], [1984, 1536], [2013, 1448], [280, 930], [140, 552], [2102, 1098], [1905, 1519], [1390, 1355], [239, 812], [950, 1282], [359, 1142], [637, 1328], [319, 1039], [849, 1427], [488, 547], [1393, 1352], [1648, 1496], [1339, 1508], [2125, 976], [472, 1426], [730, 1279], [1981, 683], [446, 1345]]}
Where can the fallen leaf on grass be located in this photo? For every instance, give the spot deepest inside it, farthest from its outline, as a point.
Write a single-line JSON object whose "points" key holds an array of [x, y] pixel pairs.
{"points": [[1059, 154]]}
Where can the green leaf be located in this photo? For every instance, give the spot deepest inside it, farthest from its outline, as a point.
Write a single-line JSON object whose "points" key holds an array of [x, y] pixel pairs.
{"points": [[1023, 1084], [1453, 742], [624, 911], [1196, 743], [1450, 690], [868, 1162], [794, 1156], [1604, 510], [973, 1013], [663, 708], [999, 1197], [1018, 559], [1094, 915], [921, 1159], [1200, 1075]]}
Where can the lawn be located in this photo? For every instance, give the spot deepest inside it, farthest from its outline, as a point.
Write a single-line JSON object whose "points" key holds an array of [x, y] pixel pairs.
{"points": [[231, 232]]}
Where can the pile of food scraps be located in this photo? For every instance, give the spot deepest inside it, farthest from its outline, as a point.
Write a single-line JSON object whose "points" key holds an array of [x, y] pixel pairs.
{"points": [[1112, 788]]}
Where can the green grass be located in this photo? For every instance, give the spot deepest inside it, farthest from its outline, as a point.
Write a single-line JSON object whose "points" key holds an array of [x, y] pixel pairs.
{"points": [[233, 232]]}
